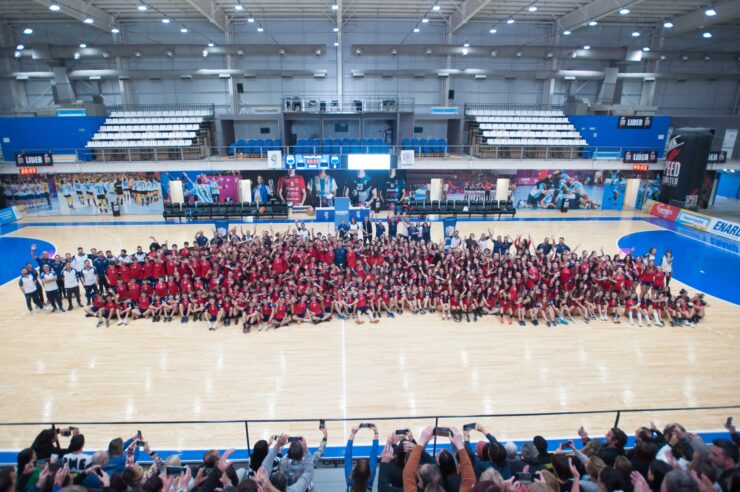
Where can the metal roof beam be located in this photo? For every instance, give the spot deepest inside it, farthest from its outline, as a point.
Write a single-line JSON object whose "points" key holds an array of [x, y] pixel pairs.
{"points": [[210, 11], [466, 11], [592, 11], [80, 10], [726, 11]]}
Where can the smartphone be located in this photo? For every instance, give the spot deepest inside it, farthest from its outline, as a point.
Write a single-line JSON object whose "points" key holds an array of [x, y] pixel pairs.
{"points": [[275, 437], [729, 422], [402, 432], [138, 435], [294, 439], [140, 444], [366, 426], [442, 431], [322, 424], [175, 470], [469, 427], [523, 478]]}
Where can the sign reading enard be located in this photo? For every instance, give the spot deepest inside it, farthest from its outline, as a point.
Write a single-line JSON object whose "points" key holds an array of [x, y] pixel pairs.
{"points": [[638, 122], [33, 160]]}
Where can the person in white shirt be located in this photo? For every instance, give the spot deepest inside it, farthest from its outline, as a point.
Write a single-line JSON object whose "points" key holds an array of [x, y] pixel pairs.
{"points": [[78, 260], [140, 254], [71, 285], [354, 228], [89, 281], [27, 284], [76, 460], [49, 282], [124, 257], [667, 265]]}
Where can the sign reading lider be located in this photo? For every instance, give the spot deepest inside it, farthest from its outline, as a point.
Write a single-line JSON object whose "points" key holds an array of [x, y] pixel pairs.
{"points": [[724, 228], [33, 160], [638, 122], [638, 157]]}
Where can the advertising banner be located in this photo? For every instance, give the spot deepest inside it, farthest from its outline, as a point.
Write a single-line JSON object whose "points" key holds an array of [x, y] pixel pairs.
{"points": [[449, 224], [663, 210], [692, 219], [724, 228], [686, 165]]}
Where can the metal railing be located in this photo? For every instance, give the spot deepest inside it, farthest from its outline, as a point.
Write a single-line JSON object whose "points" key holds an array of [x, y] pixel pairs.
{"points": [[348, 104], [250, 152], [162, 107], [512, 107], [597, 420]]}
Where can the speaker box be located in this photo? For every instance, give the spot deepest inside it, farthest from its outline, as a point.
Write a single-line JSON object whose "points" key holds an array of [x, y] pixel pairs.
{"points": [[451, 94], [240, 88]]}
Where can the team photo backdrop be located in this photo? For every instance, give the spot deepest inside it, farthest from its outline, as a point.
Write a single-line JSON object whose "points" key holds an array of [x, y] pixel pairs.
{"points": [[84, 194]]}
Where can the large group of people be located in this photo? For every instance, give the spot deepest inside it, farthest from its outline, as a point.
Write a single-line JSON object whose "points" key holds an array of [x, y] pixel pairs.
{"points": [[365, 271], [671, 460]]}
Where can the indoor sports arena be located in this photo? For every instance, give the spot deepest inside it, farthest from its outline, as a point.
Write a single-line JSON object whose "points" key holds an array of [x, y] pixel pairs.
{"points": [[355, 245]]}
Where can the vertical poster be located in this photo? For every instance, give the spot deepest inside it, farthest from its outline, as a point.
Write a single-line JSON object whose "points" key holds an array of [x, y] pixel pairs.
{"points": [[685, 167]]}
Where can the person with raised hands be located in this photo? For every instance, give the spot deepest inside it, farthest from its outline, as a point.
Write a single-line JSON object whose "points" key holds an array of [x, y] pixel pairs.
{"points": [[428, 477], [360, 478], [295, 473]]}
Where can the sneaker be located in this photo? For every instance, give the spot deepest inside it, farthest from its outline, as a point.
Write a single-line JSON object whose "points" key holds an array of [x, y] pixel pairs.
{"points": [[100, 323], [391, 315], [511, 321], [125, 322], [107, 323], [535, 322], [53, 310], [586, 320], [120, 322], [632, 324], [639, 323], [61, 310], [501, 320], [521, 323]]}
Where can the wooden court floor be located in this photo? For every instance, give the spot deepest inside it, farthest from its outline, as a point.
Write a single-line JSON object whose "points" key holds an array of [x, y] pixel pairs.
{"points": [[61, 368]]}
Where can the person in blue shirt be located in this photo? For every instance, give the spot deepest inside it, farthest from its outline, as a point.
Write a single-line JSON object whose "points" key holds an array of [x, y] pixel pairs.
{"points": [[426, 232], [379, 228], [340, 255], [100, 264], [360, 477], [342, 228]]}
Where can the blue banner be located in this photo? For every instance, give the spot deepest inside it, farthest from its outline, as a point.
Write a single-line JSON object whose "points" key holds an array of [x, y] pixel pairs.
{"points": [[341, 210], [8, 215], [449, 224], [222, 227]]}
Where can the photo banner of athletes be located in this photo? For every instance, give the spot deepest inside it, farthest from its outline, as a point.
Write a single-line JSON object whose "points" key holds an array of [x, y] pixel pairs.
{"points": [[582, 189], [84, 194], [374, 189]]}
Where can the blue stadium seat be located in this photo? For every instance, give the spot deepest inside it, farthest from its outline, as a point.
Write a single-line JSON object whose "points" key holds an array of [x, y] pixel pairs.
{"points": [[326, 146], [424, 143], [231, 150], [406, 144], [415, 145], [300, 146], [278, 143], [354, 146], [442, 146], [260, 146], [268, 144], [250, 147]]}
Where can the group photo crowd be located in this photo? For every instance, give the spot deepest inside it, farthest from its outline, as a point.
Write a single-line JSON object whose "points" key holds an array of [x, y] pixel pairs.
{"points": [[667, 460], [380, 267]]}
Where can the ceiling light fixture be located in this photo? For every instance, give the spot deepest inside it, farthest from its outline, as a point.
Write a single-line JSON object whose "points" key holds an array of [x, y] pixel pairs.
{"points": [[587, 47], [165, 21], [115, 30], [532, 8], [250, 20], [416, 29], [211, 45], [83, 45], [436, 8], [394, 52], [260, 29], [493, 31], [17, 54], [54, 7], [184, 30], [142, 8], [137, 54], [424, 20], [510, 20], [241, 52], [205, 53], [646, 49], [336, 29], [668, 24], [464, 52], [710, 12], [239, 7], [566, 33], [88, 20], [28, 31], [592, 23], [335, 7], [20, 47], [635, 34], [428, 51], [707, 35], [466, 44], [624, 12], [76, 56]]}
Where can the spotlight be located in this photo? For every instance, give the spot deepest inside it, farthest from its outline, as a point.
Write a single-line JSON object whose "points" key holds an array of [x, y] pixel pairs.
{"points": [[20, 47], [358, 51], [587, 47], [205, 53], [336, 44], [241, 52], [250, 19], [592, 23], [165, 21], [518, 54], [394, 52], [436, 8], [83, 45], [54, 7], [28, 31], [76, 56], [428, 51], [466, 45], [260, 29], [336, 29], [137, 54], [318, 52], [282, 51], [142, 8], [710, 12], [106, 54], [646, 49], [464, 51], [416, 29], [170, 54], [211, 45], [88, 20], [493, 31], [184, 30], [115, 30], [635, 34], [624, 12], [17, 54], [335, 7], [707, 35], [494, 52], [510, 20], [424, 20], [239, 7], [668, 24], [532, 8], [566, 33]]}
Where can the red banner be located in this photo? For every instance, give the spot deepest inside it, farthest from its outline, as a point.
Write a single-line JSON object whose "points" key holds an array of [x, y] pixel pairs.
{"points": [[664, 211]]}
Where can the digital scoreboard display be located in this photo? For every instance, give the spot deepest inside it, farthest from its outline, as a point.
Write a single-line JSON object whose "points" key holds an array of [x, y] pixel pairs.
{"points": [[313, 161]]}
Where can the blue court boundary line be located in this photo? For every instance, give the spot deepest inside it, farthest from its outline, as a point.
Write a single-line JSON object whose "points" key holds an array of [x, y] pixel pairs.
{"points": [[8, 457]]}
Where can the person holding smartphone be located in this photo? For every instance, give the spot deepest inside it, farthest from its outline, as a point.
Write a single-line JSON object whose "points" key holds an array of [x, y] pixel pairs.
{"points": [[360, 478]]}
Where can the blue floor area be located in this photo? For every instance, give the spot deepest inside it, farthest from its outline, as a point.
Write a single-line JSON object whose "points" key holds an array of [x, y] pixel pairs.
{"points": [[196, 455], [703, 261], [16, 252]]}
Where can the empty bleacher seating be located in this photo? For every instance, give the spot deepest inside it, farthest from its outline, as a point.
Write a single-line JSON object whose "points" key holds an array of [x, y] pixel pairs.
{"points": [[469, 208], [422, 147], [209, 211], [124, 130], [521, 133]]}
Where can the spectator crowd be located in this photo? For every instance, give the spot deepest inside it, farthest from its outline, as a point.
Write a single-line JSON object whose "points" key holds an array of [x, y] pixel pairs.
{"points": [[363, 272], [671, 460]]}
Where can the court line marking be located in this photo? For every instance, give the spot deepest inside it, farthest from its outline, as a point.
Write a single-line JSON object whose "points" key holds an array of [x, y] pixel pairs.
{"points": [[344, 377]]}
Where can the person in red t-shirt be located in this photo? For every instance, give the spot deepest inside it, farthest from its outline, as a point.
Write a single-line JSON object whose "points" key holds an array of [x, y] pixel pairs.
{"points": [[299, 309], [292, 188], [98, 305], [363, 308], [143, 306], [279, 315], [160, 288], [124, 312], [214, 314], [317, 311], [170, 306], [111, 309], [252, 316]]}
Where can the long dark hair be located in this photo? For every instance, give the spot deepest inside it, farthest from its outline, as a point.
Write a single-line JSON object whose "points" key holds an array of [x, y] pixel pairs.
{"points": [[360, 476]]}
